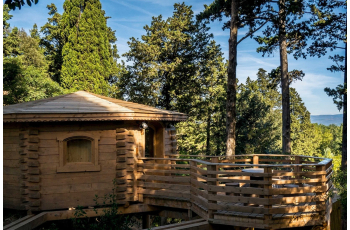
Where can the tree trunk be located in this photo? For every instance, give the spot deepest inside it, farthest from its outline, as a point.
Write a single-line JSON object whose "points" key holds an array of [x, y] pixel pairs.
{"points": [[232, 83], [344, 159], [286, 141], [208, 131]]}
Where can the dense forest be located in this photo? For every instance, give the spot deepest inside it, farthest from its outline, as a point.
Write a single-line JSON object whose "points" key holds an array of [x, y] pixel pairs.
{"points": [[177, 65]]}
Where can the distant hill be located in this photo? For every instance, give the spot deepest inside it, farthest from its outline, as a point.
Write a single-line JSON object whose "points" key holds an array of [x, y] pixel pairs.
{"points": [[327, 119]]}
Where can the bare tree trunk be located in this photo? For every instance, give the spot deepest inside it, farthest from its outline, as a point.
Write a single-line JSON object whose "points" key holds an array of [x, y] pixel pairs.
{"points": [[344, 159], [232, 83], [286, 141]]}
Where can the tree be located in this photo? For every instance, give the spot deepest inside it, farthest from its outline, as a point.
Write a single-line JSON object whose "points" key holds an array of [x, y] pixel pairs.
{"points": [[25, 70], [203, 132], [53, 42], [86, 53], [241, 15], [328, 34], [287, 31], [165, 65], [13, 4], [6, 16]]}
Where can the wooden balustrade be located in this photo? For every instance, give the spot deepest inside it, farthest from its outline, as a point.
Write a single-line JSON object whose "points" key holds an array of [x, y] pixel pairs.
{"points": [[224, 191]]}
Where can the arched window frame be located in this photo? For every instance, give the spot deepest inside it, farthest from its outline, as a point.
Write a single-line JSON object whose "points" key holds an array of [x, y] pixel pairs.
{"points": [[78, 166]]}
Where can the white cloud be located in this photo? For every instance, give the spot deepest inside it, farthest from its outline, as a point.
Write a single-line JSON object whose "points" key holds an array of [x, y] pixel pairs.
{"points": [[133, 7]]}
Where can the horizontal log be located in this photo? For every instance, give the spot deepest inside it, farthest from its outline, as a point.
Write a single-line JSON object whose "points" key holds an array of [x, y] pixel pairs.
{"points": [[172, 171], [167, 193], [163, 186], [152, 166], [246, 223], [285, 191], [242, 190], [295, 209], [165, 178], [235, 208]]}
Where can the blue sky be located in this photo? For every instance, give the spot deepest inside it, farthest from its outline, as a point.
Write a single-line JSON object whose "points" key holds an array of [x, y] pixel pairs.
{"points": [[129, 17]]}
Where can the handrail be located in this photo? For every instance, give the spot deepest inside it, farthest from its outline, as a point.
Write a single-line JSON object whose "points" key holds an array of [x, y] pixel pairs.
{"points": [[324, 162], [249, 155], [205, 185]]}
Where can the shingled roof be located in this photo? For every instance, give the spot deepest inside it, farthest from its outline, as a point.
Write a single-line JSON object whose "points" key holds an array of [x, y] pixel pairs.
{"points": [[85, 106]]}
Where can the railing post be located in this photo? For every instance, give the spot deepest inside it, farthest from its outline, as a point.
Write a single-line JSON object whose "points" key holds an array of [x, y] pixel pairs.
{"points": [[212, 168], [297, 169], [255, 161], [268, 217], [321, 194]]}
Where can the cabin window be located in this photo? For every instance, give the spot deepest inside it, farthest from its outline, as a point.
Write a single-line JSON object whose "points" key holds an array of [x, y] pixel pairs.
{"points": [[78, 153], [79, 150]]}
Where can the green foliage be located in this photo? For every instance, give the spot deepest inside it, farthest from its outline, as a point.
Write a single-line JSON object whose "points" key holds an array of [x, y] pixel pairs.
{"points": [[295, 23], [166, 62], [340, 181], [338, 95], [110, 219], [13, 4], [6, 16], [52, 42], [204, 131], [258, 117], [24, 68], [86, 53], [250, 14]]}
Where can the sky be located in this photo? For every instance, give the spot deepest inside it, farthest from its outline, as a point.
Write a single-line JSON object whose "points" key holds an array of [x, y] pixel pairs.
{"points": [[128, 17]]}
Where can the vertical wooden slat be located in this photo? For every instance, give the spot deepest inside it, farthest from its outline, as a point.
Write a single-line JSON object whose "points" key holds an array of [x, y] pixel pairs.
{"points": [[297, 169], [268, 217], [212, 168], [321, 204], [255, 161]]}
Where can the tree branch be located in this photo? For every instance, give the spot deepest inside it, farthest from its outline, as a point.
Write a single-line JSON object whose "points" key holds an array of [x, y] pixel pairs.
{"points": [[251, 32]]}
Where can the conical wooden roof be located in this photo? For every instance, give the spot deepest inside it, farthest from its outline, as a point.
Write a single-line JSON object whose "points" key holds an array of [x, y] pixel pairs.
{"points": [[85, 106]]}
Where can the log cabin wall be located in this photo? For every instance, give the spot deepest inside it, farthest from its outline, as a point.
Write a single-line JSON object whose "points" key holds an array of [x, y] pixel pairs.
{"points": [[31, 159], [170, 141], [11, 166]]}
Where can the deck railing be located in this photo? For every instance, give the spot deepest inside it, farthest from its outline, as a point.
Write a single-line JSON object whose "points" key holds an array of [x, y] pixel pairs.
{"points": [[283, 191]]}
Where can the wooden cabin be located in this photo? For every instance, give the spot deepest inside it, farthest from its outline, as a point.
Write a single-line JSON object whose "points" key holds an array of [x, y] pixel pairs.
{"points": [[60, 152]]}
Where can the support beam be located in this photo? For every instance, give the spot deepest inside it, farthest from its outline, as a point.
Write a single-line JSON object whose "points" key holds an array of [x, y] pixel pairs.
{"points": [[146, 221]]}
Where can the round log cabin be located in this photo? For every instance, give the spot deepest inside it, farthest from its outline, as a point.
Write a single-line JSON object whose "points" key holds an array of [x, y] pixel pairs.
{"points": [[60, 152]]}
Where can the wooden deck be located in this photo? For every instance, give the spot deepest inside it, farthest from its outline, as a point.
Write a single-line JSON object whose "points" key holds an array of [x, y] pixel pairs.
{"points": [[290, 191]]}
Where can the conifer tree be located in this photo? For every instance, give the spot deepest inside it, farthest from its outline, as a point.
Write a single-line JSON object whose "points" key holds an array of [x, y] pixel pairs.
{"points": [[242, 14], [329, 33], [87, 61], [52, 42], [165, 61]]}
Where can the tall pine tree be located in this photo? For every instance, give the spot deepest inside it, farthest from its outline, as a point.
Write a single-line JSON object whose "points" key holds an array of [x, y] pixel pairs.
{"points": [[87, 60], [165, 61], [242, 14]]}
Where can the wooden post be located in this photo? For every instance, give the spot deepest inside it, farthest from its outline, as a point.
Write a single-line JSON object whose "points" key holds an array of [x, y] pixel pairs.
{"points": [[146, 221], [163, 221], [212, 168], [268, 217], [190, 214], [255, 161], [321, 204], [297, 169]]}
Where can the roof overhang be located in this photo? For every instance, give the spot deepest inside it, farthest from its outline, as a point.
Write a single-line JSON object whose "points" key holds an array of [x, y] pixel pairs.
{"points": [[46, 117]]}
